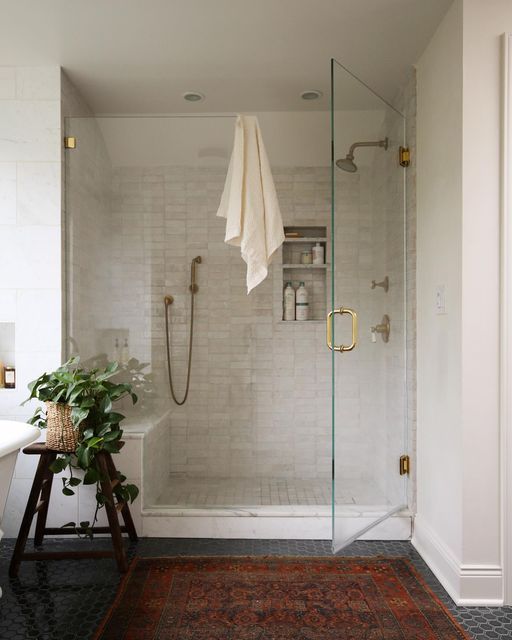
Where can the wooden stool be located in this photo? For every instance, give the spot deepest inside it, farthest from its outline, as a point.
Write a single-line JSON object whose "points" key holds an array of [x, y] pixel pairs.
{"points": [[39, 500]]}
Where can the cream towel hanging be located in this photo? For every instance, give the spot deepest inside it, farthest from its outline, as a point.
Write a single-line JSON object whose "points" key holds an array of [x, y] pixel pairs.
{"points": [[249, 202]]}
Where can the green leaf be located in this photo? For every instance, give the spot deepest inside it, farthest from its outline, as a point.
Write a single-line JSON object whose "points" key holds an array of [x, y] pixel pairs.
{"points": [[113, 435], [91, 476], [83, 454], [109, 371], [75, 391], [88, 433], [111, 447], [58, 465], [64, 377], [68, 492], [114, 417], [93, 443], [74, 482], [78, 415], [106, 405]]}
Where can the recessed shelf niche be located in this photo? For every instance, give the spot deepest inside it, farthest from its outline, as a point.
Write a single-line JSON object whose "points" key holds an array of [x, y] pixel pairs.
{"points": [[301, 239], [7, 349]]}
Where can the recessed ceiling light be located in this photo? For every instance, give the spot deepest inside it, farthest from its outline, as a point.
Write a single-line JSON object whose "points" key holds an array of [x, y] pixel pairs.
{"points": [[193, 96], [311, 94]]}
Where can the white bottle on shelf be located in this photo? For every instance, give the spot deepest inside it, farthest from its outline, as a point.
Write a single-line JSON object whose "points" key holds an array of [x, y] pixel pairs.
{"points": [[289, 302], [318, 254], [301, 303]]}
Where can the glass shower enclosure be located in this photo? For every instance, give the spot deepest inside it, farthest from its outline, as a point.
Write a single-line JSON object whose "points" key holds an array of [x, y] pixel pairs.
{"points": [[256, 431], [366, 325]]}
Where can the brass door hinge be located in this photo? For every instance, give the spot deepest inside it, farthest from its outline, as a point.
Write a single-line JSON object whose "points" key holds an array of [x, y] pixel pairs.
{"points": [[70, 142], [405, 465], [404, 156]]}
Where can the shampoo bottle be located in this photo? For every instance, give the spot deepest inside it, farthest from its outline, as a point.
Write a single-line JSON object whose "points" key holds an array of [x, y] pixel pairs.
{"points": [[289, 302], [301, 304], [318, 254]]}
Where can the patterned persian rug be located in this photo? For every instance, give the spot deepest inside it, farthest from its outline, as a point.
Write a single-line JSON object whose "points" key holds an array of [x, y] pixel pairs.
{"points": [[276, 599]]}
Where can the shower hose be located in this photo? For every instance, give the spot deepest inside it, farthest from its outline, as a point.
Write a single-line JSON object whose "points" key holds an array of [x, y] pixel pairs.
{"points": [[193, 289]]}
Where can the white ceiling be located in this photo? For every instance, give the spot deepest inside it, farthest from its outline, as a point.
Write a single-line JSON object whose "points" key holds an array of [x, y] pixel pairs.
{"points": [[140, 56]]}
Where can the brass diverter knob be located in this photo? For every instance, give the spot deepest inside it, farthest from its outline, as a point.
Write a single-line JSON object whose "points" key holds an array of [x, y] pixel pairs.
{"points": [[384, 328]]}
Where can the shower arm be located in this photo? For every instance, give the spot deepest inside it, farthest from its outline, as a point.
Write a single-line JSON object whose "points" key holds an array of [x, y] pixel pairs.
{"points": [[377, 143]]}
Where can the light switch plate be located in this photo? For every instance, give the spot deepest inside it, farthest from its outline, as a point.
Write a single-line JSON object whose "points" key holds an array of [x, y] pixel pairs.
{"points": [[440, 299]]}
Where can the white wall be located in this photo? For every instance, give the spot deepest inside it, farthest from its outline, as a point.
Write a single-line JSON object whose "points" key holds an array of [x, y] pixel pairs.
{"points": [[30, 236], [483, 25], [30, 223], [439, 226], [459, 520]]}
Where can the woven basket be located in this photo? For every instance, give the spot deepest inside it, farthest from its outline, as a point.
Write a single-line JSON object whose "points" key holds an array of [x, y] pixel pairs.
{"points": [[61, 435]]}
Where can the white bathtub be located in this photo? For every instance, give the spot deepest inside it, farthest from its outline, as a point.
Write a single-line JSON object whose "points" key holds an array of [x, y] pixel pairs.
{"points": [[13, 436]]}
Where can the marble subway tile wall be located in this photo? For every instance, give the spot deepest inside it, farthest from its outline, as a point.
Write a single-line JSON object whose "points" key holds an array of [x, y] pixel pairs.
{"points": [[396, 255], [89, 241], [86, 194], [259, 395], [360, 397], [388, 206]]}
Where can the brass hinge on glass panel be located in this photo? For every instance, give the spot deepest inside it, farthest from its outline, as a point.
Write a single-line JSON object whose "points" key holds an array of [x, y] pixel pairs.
{"points": [[404, 156], [70, 142], [405, 465]]}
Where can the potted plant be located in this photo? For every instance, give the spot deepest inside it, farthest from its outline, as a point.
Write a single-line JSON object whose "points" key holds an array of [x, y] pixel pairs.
{"points": [[80, 422]]}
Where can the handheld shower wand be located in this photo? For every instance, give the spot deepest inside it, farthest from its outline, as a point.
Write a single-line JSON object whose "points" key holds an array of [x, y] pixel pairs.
{"points": [[193, 286], [168, 300]]}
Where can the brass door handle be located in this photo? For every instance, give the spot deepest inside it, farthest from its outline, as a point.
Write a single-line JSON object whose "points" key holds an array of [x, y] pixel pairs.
{"points": [[342, 347]]}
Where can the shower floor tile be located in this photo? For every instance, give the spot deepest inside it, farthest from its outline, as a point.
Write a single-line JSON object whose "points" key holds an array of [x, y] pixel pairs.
{"points": [[232, 492], [224, 492]]}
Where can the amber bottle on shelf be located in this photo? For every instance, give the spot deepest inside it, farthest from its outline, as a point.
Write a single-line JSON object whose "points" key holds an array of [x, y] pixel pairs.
{"points": [[9, 377]]}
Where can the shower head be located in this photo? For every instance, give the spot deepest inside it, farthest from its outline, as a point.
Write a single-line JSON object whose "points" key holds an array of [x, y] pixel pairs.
{"points": [[347, 163], [198, 259]]}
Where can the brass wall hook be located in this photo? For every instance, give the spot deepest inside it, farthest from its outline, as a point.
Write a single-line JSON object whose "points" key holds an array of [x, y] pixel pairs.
{"points": [[384, 284]]}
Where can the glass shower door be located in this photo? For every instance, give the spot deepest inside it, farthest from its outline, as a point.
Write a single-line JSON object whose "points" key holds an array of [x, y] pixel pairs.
{"points": [[366, 328]]}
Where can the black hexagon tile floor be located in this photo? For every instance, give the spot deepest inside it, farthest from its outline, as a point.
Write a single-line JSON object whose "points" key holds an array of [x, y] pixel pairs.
{"points": [[66, 600]]}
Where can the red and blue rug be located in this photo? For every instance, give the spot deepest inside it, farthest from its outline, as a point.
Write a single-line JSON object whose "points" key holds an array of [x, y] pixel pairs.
{"points": [[276, 599]]}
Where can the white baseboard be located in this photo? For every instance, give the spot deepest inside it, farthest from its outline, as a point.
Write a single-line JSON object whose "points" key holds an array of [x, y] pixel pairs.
{"points": [[467, 585]]}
